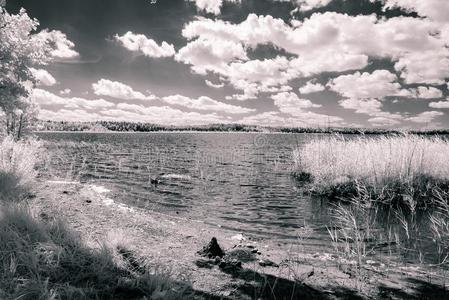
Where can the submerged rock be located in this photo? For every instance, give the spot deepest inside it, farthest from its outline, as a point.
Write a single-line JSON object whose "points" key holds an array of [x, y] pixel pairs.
{"points": [[154, 181], [230, 265], [217, 260], [212, 249], [241, 254], [268, 263], [175, 176], [204, 263], [303, 177], [159, 179]]}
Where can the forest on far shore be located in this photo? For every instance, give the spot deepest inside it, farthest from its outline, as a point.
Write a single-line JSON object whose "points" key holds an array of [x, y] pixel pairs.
{"points": [[104, 126]]}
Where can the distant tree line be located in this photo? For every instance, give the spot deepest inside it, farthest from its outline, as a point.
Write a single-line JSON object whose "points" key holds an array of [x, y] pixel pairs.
{"points": [[100, 126], [104, 126]]}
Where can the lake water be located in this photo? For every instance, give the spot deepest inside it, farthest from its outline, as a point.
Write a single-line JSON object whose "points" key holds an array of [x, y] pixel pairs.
{"points": [[237, 180], [241, 181]]}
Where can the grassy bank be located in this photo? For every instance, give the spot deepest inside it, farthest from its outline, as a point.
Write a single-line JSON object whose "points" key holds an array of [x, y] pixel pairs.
{"points": [[42, 258]]}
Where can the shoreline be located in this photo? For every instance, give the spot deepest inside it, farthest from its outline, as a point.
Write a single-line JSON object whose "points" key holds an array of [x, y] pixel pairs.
{"points": [[184, 131], [167, 131], [172, 242]]}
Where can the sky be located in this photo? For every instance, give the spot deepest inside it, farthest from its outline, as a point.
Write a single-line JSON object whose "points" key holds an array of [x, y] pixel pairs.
{"points": [[345, 63]]}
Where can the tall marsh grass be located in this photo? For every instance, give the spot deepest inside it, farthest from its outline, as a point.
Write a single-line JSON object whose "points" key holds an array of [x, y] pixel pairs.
{"points": [[17, 166], [408, 167], [394, 192]]}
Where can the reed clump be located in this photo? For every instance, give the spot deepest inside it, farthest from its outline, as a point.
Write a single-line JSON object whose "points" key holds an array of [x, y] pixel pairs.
{"points": [[393, 194], [392, 169]]}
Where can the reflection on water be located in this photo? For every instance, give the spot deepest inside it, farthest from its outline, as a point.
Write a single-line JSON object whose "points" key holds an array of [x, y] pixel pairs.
{"points": [[237, 180]]}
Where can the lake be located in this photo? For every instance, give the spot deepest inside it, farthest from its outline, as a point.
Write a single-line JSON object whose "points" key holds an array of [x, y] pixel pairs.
{"points": [[236, 180], [239, 181]]}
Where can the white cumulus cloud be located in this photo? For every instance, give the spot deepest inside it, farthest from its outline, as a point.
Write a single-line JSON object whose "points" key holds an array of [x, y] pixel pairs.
{"points": [[437, 10], [378, 84], [305, 5], [141, 43], [214, 85], [210, 54], [62, 47], [439, 104], [65, 91], [290, 103], [206, 103], [311, 87], [43, 97], [427, 92], [372, 108], [334, 42], [115, 89], [425, 117], [211, 6], [43, 77]]}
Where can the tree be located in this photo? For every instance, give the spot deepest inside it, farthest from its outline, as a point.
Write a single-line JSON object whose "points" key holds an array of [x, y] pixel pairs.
{"points": [[21, 47]]}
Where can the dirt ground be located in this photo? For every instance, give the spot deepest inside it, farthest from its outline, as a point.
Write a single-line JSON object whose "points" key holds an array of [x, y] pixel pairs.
{"points": [[270, 269]]}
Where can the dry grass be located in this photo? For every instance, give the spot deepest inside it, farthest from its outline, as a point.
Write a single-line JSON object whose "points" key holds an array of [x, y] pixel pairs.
{"points": [[45, 260], [394, 192], [17, 167], [407, 166]]}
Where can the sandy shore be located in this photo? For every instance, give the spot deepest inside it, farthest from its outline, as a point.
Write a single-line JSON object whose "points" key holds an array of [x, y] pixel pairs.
{"points": [[172, 242]]}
